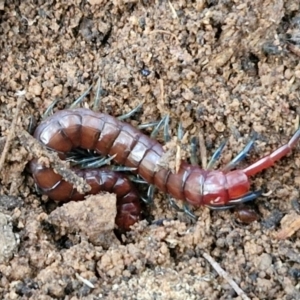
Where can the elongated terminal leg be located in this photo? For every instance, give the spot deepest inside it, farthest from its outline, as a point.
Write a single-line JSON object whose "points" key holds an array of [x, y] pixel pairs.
{"points": [[269, 160]]}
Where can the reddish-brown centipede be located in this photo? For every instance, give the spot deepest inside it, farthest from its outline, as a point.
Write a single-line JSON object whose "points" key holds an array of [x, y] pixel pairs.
{"points": [[100, 179], [83, 128]]}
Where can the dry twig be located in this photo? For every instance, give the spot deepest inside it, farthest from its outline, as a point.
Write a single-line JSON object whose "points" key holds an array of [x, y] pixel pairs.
{"points": [[292, 225], [226, 276], [174, 13], [11, 133]]}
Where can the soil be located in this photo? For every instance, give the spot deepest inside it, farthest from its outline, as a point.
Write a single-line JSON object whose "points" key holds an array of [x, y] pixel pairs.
{"points": [[225, 69]]}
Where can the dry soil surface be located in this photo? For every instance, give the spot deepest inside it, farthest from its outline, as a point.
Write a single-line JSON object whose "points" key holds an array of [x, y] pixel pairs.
{"points": [[224, 68]]}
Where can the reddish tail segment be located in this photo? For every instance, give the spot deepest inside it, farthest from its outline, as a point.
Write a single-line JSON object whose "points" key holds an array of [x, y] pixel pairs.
{"points": [[69, 129]]}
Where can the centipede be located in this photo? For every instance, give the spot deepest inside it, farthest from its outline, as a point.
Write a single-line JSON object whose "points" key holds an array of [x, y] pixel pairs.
{"points": [[83, 128], [100, 179]]}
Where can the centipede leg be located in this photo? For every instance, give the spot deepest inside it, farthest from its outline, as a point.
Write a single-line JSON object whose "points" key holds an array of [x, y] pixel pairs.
{"points": [[223, 207], [240, 156], [80, 98], [232, 203], [31, 125], [150, 195], [129, 114], [97, 96], [174, 204], [38, 190], [155, 131], [246, 198], [147, 125], [216, 156], [96, 162], [163, 122], [186, 209], [122, 169], [137, 179], [194, 158], [89, 162], [180, 132], [188, 212], [49, 110], [167, 136]]}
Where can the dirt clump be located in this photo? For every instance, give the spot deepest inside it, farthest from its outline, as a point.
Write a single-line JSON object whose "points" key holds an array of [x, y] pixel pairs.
{"points": [[225, 68]]}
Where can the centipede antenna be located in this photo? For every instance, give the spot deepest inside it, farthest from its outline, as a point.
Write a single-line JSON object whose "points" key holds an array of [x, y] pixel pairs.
{"points": [[180, 132], [167, 136], [216, 156], [188, 212], [80, 98], [147, 125], [194, 158], [240, 156], [49, 110], [224, 207], [248, 197], [155, 131], [129, 114], [97, 96]]}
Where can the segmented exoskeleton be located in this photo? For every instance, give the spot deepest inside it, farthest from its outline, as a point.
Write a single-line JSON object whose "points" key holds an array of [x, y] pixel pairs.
{"points": [[69, 129]]}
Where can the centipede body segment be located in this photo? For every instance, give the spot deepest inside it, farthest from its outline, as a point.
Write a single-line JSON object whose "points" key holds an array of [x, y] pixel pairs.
{"points": [[82, 128]]}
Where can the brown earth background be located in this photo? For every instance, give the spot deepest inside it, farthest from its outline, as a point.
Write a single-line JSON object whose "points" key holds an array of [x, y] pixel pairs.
{"points": [[224, 68]]}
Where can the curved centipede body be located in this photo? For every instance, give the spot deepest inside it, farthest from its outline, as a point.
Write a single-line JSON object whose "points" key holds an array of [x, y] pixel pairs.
{"points": [[73, 128], [100, 179]]}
